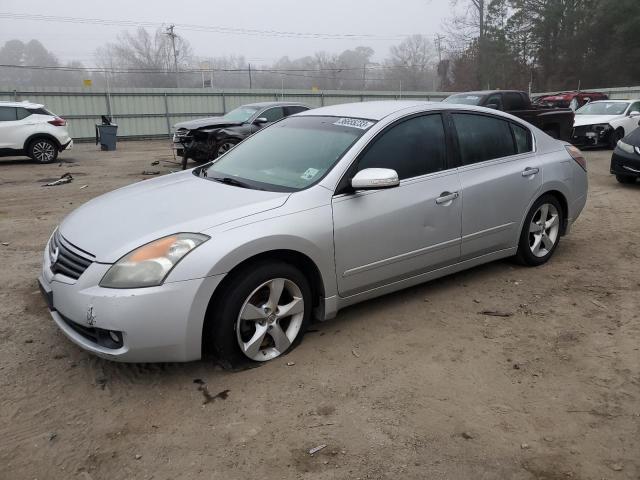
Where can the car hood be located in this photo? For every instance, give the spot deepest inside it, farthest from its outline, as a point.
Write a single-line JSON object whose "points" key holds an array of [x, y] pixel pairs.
{"points": [[206, 122], [113, 224], [582, 120]]}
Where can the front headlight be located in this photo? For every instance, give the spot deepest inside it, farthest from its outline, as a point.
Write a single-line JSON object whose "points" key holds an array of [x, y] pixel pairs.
{"points": [[625, 147], [150, 264], [602, 128]]}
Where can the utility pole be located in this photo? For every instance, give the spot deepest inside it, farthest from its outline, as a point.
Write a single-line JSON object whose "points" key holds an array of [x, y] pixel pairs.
{"points": [[364, 75], [250, 79], [171, 34], [438, 43]]}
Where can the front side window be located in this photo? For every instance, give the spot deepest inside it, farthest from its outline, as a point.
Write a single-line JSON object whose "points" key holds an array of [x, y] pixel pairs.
{"points": [[635, 107], [495, 99], [242, 114], [273, 114], [414, 147], [291, 155], [481, 138], [8, 114]]}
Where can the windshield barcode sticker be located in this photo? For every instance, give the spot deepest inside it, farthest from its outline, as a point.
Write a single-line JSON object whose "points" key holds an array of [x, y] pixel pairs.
{"points": [[354, 122], [309, 174]]}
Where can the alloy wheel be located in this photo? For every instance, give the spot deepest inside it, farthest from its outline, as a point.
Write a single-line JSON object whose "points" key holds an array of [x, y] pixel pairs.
{"points": [[225, 147], [544, 230], [43, 151], [270, 319]]}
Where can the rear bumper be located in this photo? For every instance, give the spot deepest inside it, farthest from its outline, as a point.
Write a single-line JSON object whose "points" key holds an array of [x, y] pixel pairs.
{"points": [[67, 146], [623, 163]]}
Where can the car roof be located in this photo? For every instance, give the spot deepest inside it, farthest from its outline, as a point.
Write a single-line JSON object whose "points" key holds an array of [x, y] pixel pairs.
{"points": [[370, 110], [24, 104], [275, 104]]}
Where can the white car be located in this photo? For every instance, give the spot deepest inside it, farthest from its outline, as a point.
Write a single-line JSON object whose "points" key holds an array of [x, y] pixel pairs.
{"points": [[30, 129], [605, 122]]}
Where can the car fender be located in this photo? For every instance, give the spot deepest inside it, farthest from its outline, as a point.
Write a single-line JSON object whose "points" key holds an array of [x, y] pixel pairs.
{"points": [[229, 248]]}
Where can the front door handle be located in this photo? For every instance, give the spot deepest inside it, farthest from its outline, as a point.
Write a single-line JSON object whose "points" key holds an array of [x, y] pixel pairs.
{"points": [[528, 172], [446, 198]]}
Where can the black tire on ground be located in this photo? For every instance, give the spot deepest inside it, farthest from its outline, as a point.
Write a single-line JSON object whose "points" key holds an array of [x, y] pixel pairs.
{"points": [[524, 255], [224, 311], [615, 137], [626, 179], [226, 145], [42, 150]]}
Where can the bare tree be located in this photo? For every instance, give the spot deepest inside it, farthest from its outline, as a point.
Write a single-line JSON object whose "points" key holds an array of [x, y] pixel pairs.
{"points": [[146, 52], [412, 62]]}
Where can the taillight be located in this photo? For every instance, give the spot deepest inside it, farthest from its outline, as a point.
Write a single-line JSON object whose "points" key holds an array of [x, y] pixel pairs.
{"points": [[577, 155], [58, 122]]}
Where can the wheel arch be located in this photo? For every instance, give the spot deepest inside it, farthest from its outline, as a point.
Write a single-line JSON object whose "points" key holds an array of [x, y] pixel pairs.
{"points": [[36, 136], [565, 207], [298, 259]]}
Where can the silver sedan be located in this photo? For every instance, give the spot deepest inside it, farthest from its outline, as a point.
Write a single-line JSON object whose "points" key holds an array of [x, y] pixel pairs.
{"points": [[319, 211]]}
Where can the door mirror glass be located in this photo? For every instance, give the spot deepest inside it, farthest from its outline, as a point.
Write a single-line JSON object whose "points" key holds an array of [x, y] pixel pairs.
{"points": [[375, 178], [493, 106], [261, 120]]}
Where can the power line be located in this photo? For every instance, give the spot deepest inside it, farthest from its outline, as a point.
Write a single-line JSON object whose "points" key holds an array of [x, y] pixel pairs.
{"points": [[203, 28]]}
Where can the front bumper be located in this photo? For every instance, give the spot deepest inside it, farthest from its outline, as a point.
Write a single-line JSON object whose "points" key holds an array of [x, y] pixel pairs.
{"points": [[623, 163], [588, 136], [157, 324]]}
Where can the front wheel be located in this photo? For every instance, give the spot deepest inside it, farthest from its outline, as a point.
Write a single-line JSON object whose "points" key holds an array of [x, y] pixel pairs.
{"points": [[625, 179], [261, 314], [225, 146], [541, 232]]}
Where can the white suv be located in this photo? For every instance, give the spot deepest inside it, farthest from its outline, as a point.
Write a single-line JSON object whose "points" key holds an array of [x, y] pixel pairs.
{"points": [[29, 129]]}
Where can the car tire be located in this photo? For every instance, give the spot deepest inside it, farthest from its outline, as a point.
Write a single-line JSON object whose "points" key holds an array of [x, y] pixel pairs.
{"points": [[246, 327], [615, 137], [541, 231], [626, 179], [42, 150], [225, 146]]}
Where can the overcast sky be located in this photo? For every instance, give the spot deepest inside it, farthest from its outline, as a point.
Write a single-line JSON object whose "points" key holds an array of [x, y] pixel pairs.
{"points": [[383, 20]]}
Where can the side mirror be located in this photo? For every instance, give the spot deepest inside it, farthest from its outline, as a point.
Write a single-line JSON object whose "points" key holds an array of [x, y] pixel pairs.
{"points": [[261, 120], [375, 178], [493, 106], [635, 113]]}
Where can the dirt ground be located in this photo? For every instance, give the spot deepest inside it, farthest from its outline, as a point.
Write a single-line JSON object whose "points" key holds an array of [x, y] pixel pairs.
{"points": [[415, 385]]}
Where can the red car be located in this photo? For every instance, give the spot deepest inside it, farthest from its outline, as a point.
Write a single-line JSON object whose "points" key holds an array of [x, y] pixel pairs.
{"points": [[573, 100]]}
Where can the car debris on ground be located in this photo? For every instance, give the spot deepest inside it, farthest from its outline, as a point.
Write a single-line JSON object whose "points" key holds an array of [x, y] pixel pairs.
{"points": [[65, 178], [315, 450]]}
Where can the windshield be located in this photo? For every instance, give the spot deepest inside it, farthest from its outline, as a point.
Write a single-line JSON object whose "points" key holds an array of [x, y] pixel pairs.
{"points": [[290, 155], [241, 114], [603, 108], [464, 99]]}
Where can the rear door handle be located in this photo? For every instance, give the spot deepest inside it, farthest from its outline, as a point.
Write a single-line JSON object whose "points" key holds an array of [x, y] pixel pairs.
{"points": [[527, 172], [446, 197]]}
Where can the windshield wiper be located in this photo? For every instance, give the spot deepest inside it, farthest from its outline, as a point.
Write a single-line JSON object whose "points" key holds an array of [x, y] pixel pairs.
{"points": [[234, 182]]}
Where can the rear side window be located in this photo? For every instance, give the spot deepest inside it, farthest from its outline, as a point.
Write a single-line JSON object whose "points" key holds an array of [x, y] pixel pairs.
{"points": [[414, 147], [513, 101], [481, 138], [40, 111], [522, 138], [8, 114], [22, 113], [292, 110]]}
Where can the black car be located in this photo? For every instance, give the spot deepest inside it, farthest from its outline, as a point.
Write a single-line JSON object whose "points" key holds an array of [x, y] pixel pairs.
{"points": [[208, 138], [625, 161]]}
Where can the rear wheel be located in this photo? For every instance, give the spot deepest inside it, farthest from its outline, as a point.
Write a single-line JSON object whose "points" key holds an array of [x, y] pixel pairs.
{"points": [[626, 179], [541, 231], [43, 150], [261, 314]]}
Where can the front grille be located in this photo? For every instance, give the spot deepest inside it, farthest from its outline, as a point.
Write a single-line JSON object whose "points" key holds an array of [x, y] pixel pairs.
{"points": [[69, 260], [582, 131]]}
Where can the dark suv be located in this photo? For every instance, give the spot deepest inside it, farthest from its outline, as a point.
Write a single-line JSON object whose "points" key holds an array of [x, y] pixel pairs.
{"points": [[208, 138]]}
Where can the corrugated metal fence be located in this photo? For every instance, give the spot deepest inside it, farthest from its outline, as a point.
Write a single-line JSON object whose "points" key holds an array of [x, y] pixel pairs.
{"points": [[151, 112]]}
